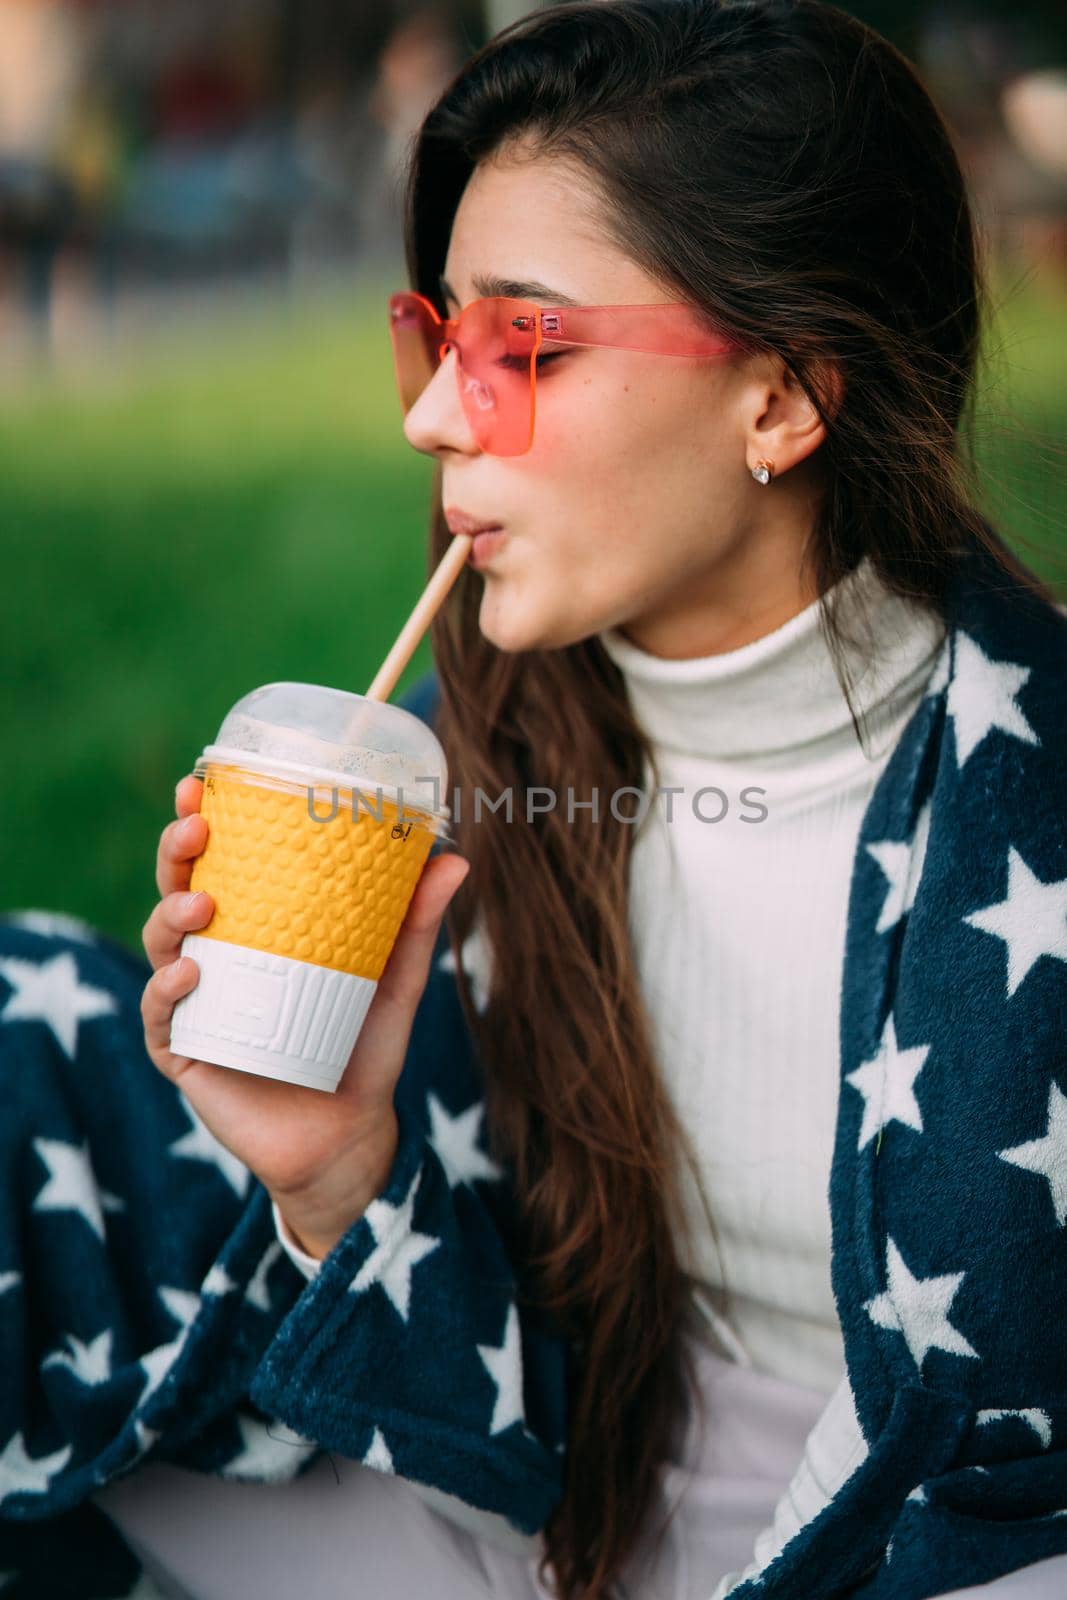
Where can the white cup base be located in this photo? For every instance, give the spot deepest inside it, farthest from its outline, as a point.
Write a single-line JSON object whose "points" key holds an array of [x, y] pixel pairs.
{"points": [[270, 1015]]}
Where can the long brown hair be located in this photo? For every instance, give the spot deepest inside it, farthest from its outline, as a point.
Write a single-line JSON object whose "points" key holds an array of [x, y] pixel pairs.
{"points": [[783, 168]]}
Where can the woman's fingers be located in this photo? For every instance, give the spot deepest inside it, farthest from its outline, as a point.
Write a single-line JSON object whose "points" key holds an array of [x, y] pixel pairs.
{"points": [[188, 794], [162, 992], [179, 845], [176, 915]]}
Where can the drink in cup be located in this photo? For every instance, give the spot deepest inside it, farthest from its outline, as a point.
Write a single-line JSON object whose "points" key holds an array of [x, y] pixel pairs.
{"points": [[322, 807]]}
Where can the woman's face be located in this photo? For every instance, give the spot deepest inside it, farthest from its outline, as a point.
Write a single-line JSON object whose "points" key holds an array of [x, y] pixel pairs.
{"points": [[635, 506]]}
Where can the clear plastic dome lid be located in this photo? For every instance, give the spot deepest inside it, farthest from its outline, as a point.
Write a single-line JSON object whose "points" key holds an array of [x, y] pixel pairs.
{"points": [[304, 732]]}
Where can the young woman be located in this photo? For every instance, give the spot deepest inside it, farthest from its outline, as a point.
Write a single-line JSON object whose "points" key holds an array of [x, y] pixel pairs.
{"points": [[746, 1275]]}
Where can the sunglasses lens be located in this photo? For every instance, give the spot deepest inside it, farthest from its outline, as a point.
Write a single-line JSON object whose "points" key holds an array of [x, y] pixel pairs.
{"points": [[495, 357], [414, 355], [492, 370]]}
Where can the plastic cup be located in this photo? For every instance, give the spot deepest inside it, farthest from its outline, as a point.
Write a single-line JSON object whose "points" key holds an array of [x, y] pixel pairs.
{"points": [[322, 808]]}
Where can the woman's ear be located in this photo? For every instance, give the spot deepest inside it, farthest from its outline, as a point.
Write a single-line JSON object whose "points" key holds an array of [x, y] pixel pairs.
{"points": [[786, 425]]}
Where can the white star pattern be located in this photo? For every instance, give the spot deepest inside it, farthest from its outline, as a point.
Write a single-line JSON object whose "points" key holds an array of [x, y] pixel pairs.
{"points": [[8, 1280], [981, 697], [477, 964], [398, 1250], [1047, 1156], [72, 1185], [90, 1363], [183, 1307], [21, 1474], [54, 922], [257, 1293], [456, 1141], [378, 1454], [887, 1085], [504, 1366], [1031, 919], [918, 1308], [51, 992], [200, 1144], [1034, 1418], [218, 1282], [902, 861], [146, 1437], [270, 1451]]}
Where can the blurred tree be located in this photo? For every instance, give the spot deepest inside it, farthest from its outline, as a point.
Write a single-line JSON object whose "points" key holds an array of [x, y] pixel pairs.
{"points": [[500, 13]]}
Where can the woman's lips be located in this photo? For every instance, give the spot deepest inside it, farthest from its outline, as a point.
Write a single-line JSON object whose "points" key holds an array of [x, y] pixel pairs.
{"points": [[485, 546], [462, 522], [486, 535]]}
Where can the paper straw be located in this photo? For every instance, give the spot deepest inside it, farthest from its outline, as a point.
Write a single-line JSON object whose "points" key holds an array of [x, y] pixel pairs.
{"points": [[448, 570]]}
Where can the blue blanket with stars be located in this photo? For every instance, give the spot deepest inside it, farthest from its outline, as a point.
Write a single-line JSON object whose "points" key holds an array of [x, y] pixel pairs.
{"points": [[148, 1311]]}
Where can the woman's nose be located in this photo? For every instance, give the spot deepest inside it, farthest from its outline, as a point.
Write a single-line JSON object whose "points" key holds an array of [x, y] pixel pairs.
{"points": [[437, 420]]}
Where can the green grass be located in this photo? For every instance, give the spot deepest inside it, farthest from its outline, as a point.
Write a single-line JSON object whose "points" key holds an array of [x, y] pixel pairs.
{"points": [[1022, 426], [242, 507]]}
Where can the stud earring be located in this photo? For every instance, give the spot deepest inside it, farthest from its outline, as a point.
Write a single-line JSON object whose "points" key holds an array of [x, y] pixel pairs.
{"points": [[763, 471]]}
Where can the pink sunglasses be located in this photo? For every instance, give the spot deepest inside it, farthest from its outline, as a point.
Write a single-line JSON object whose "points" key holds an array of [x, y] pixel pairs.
{"points": [[501, 343]]}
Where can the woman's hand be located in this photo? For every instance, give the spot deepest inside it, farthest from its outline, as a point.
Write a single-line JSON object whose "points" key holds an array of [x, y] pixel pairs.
{"points": [[321, 1157]]}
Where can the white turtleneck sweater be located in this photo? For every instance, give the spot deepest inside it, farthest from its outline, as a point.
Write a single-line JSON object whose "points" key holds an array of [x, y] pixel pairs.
{"points": [[738, 928]]}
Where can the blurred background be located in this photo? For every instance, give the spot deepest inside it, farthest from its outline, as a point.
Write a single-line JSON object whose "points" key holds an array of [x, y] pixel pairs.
{"points": [[203, 481]]}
